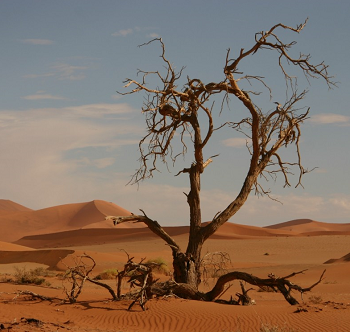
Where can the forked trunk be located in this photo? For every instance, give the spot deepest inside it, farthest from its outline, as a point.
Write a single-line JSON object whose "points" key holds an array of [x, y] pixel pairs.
{"points": [[187, 266]]}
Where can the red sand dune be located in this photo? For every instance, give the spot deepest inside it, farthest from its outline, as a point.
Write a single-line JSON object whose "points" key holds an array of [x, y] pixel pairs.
{"points": [[230, 230], [8, 205], [17, 221], [308, 226], [60, 218], [47, 257], [68, 228], [343, 259], [83, 237], [88, 236], [5, 246]]}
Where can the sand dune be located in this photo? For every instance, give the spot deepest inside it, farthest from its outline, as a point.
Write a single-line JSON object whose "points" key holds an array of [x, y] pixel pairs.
{"points": [[8, 205], [126, 232], [56, 236], [17, 224], [231, 230], [94, 311], [84, 237], [343, 259], [6, 246], [308, 226], [46, 257], [90, 215]]}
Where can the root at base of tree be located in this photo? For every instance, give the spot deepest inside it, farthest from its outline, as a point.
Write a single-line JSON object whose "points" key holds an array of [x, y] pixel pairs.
{"points": [[149, 287]]}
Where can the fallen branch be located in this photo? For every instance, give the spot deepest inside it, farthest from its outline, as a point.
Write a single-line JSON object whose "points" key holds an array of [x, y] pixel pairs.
{"points": [[33, 295], [282, 284]]}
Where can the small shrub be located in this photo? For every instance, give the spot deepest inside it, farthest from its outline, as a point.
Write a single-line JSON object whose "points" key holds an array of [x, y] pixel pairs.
{"points": [[22, 276], [214, 265], [329, 282], [266, 289], [276, 328], [5, 278], [107, 274], [160, 265], [314, 299]]}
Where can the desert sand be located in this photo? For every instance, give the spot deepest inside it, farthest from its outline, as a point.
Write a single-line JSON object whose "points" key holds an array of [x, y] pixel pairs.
{"points": [[52, 238]]}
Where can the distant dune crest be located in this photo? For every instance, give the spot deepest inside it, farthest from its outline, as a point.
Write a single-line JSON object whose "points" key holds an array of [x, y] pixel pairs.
{"points": [[308, 226], [17, 221], [7, 205], [62, 221]]}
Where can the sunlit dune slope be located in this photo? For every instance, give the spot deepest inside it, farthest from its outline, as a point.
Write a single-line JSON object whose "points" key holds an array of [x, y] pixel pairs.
{"points": [[7, 205], [14, 226]]}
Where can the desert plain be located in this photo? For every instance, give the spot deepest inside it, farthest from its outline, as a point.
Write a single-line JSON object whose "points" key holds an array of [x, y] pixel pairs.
{"points": [[54, 237]]}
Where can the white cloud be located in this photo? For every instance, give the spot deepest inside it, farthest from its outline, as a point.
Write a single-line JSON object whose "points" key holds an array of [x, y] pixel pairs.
{"points": [[153, 35], [98, 163], [99, 110], [69, 72], [49, 162], [37, 41], [65, 71], [43, 147], [123, 32], [126, 32], [38, 75], [43, 96], [328, 118], [235, 142], [342, 202]]}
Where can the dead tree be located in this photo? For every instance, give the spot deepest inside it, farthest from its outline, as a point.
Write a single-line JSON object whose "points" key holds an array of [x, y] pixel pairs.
{"points": [[78, 274], [141, 277], [187, 114]]}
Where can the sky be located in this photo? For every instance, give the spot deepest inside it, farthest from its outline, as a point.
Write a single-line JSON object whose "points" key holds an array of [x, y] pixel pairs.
{"points": [[67, 136]]}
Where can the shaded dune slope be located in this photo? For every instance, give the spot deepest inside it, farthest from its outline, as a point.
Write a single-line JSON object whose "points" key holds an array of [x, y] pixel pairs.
{"points": [[344, 259], [128, 232], [47, 257], [6, 246], [118, 234]]}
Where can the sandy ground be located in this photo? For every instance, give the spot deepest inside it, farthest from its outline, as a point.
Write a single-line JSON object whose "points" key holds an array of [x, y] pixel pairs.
{"points": [[95, 311], [282, 249]]}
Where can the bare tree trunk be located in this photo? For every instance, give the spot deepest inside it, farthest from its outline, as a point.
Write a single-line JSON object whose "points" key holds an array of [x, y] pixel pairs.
{"points": [[195, 241]]}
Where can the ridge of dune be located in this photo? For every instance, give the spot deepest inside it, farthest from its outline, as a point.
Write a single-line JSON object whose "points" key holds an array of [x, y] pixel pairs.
{"points": [[102, 209], [8, 205], [290, 223], [117, 234], [345, 258], [6, 246], [55, 219], [308, 226], [88, 236], [237, 231]]}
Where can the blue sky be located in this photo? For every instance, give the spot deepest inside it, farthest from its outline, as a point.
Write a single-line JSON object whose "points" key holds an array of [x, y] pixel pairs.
{"points": [[66, 136]]}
